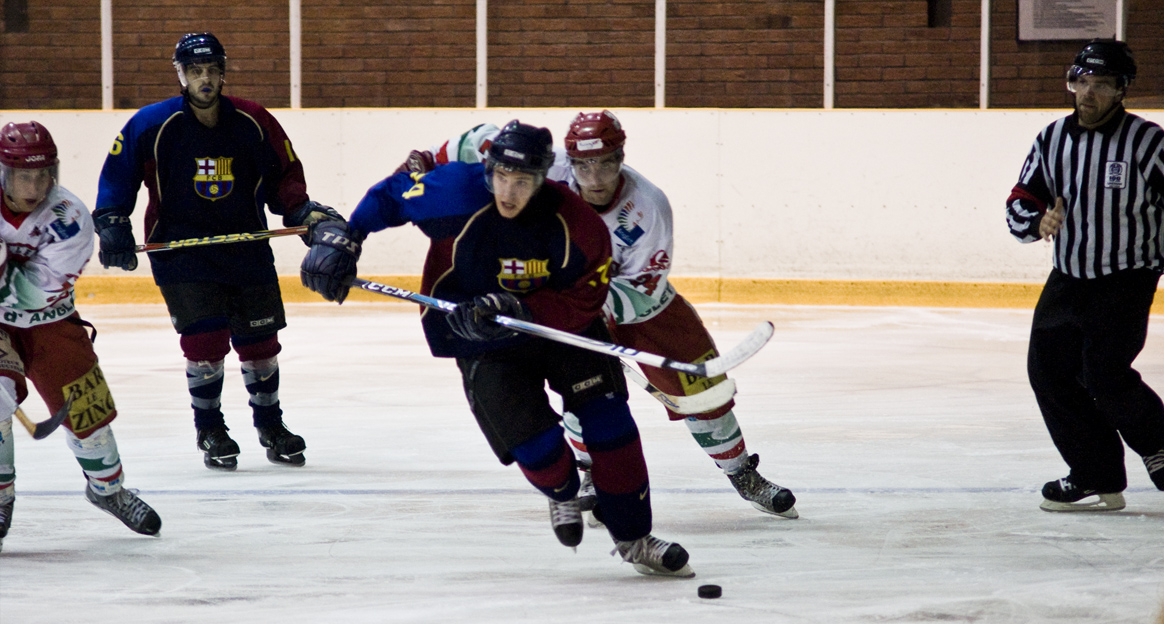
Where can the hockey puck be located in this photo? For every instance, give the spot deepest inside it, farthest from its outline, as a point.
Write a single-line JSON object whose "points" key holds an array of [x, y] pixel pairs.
{"points": [[710, 591]]}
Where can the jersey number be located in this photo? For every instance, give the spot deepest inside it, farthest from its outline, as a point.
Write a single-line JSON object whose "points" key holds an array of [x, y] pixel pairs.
{"points": [[417, 189], [116, 149]]}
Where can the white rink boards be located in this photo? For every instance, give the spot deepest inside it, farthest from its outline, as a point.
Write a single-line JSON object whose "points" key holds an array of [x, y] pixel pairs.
{"points": [[909, 435]]}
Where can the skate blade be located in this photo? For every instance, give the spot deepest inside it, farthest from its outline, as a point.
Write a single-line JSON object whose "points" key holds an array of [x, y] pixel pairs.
{"points": [[295, 460], [789, 513], [225, 464], [684, 572], [1096, 502]]}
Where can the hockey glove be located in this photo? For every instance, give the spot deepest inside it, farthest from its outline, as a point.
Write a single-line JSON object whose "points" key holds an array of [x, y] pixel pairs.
{"points": [[417, 162], [117, 243], [311, 213], [473, 320], [330, 264]]}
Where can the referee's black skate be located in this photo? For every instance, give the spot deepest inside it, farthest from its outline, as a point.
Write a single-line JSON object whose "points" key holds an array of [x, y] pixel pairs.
{"points": [[566, 519], [283, 447], [127, 507], [762, 493], [653, 556], [1155, 465], [1065, 495], [220, 451]]}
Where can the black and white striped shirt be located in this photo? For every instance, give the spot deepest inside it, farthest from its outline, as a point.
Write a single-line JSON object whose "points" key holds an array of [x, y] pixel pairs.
{"points": [[1111, 180]]}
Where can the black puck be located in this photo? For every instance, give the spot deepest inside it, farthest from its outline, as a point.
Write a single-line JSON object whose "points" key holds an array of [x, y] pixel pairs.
{"points": [[710, 591]]}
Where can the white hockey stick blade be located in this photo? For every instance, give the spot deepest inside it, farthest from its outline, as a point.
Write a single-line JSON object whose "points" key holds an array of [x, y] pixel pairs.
{"points": [[711, 368], [700, 403]]}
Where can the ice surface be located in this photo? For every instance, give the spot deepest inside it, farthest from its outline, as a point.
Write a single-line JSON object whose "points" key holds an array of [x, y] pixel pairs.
{"points": [[910, 437]]}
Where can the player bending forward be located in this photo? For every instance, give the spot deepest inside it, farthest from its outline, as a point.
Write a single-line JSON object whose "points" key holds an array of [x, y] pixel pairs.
{"points": [[46, 238], [645, 310], [505, 241]]}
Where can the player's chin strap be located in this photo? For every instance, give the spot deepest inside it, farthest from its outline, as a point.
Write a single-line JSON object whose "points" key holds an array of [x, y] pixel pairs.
{"points": [[711, 368], [699, 403]]}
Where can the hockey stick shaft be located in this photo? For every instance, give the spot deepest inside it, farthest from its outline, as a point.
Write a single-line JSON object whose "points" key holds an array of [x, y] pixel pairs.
{"points": [[713, 397], [41, 430], [221, 239], [711, 368]]}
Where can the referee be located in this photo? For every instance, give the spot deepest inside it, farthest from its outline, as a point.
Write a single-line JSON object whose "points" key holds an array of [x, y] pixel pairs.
{"points": [[1094, 183]]}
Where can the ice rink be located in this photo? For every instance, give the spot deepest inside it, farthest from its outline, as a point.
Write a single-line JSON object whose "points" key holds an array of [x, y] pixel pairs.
{"points": [[910, 437]]}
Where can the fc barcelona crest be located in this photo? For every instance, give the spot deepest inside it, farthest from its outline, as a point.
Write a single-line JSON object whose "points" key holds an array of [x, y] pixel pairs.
{"points": [[213, 180], [523, 275]]}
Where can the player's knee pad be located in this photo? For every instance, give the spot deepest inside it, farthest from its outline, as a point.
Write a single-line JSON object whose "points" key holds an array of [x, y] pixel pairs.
{"points": [[542, 450], [206, 346], [606, 423], [252, 348], [97, 454]]}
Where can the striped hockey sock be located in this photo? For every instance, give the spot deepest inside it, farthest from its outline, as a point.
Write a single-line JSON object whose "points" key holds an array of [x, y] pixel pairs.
{"points": [[721, 439]]}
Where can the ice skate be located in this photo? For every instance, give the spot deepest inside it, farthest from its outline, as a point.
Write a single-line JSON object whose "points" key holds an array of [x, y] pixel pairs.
{"points": [[221, 452], [5, 520], [653, 556], [566, 518], [762, 493], [1064, 495], [127, 507], [1155, 465], [283, 447], [588, 500]]}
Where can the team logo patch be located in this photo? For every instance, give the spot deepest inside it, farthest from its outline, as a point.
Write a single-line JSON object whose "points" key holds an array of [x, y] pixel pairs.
{"points": [[92, 402], [523, 275], [1115, 175], [214, 179], [629, 230], [694, 384]]}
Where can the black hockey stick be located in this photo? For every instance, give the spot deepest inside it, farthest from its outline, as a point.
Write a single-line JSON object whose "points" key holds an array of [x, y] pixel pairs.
{"points": [[41, 430], [240, 237], [711, 368]]}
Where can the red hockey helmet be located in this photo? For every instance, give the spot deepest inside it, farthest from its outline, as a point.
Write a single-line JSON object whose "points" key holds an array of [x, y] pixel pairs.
{"points": [[27, 146], [594, 134]]}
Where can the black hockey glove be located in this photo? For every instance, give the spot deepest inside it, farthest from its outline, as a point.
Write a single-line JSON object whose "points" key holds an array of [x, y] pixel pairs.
{"points": [[473, 320], [330, 264], [311, 213], [117, 243]]}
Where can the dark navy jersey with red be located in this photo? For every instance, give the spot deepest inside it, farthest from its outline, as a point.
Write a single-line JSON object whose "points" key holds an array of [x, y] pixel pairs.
{"points": [[554, 256], [204, 182]]}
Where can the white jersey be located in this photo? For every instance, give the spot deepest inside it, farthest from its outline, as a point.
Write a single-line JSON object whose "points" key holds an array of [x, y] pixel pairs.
{"points": [[470, 147], [46, 252]]}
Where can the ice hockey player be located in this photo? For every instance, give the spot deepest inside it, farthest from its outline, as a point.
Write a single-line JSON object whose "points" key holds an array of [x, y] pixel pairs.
{"points": [[645, 310], [210, 162], [46, 238], [506, 241], [1094, 183]]}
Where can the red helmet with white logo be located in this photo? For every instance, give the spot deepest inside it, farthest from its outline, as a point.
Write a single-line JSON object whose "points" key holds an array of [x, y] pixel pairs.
{"points": [[594, 134], [27, 146]]}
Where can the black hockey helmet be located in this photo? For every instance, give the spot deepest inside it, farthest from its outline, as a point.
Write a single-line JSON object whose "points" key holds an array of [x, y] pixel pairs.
{"points": [[1105, 57], [520, 147], [199, 48]]}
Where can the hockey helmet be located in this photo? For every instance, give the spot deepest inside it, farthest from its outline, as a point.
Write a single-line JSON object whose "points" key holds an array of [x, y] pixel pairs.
{"points": [[594, 134], [199, 48], [27, 146], [520, 147], [1104, 57]]}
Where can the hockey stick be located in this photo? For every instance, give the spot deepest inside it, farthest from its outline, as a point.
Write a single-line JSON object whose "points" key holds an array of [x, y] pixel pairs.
{"points": [[699, 403], [41, 430], [711, 368], [221, 239]]}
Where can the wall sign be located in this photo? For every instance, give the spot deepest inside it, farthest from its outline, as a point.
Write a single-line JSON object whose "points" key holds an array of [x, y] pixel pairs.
{"points": [[1043, 20]]}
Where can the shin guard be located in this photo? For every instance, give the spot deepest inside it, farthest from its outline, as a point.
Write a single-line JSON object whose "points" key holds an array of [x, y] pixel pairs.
{"points": [[574, 437], [721, 439], [98, 457], [262, 381], [619, 471], [204, 380]]}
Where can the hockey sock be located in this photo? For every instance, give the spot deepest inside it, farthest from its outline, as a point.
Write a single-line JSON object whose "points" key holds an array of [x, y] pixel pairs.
{"points": [[205, 382], [7, 445], [574, 437], [98, 457], [548, 465], [619, 471], [721, 439], [260, 370]]}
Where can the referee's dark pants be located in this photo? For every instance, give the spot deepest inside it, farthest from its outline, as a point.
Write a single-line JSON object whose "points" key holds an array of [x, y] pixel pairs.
{"points": [[1085, 335]]}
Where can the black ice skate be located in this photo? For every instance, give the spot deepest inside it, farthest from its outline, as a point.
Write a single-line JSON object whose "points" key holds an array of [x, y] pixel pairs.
{"points": [[1155, 465], [5, 520], [127, 507], [587, 499], [283, 447], [566, 519], [1064, 495], [762, 493], [653, 556], [221, 452]]}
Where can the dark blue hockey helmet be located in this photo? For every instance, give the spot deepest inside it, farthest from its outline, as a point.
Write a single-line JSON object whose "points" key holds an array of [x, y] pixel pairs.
{"points": [[199, 48], [522, 147]]}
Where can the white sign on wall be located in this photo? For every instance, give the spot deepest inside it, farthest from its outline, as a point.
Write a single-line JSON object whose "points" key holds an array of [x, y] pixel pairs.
{"points": [[1042, 20]]}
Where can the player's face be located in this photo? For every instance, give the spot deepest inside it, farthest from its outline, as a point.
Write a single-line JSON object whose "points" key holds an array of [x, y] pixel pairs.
{"points": [[512, 190], [25, 189], [1095, 98], [203, 83], [597, 177]]}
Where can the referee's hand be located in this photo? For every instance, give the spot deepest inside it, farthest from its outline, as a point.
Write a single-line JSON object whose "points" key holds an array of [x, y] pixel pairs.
{"points": [[1052, 220]]}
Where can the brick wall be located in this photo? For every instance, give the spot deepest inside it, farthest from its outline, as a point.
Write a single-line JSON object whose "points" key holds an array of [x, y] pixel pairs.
{"points": [[569, 53]]}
